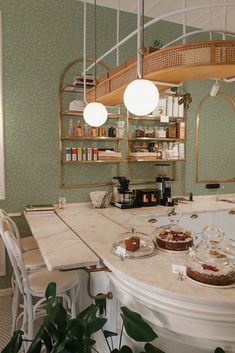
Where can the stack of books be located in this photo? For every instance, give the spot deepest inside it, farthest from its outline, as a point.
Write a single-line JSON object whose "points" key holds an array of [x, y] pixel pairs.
{"points": [[35, 209]]}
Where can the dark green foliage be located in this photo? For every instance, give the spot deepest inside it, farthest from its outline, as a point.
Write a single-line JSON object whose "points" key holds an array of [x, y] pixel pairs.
{"points": [[186, 100], [60, 334], [136, 327], [219, 350], [15, 343]]}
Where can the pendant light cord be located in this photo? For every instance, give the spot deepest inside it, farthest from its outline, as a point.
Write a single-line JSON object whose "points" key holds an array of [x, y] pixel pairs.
{"points": [[84, 51], [95, 54], [140, 38]]}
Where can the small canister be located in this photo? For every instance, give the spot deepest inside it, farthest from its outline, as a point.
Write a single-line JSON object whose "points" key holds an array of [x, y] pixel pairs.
{"points": [[74, 154], [68, 155], [95, 154], [93, 131], [84, 154], [79, 153], [86, 131], [89, 153]]}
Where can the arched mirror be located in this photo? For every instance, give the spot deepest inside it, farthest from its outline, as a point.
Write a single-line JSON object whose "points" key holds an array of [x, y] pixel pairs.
{"points": [[215, 139]]}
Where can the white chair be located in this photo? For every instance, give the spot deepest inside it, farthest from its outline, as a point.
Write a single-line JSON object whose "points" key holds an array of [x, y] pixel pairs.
{"points": [[32, 260], [27, 243], [33, 284]]}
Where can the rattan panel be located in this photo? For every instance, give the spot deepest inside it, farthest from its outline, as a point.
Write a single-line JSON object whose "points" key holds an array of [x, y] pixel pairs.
{"points": [[182, 58], [125, 77]]}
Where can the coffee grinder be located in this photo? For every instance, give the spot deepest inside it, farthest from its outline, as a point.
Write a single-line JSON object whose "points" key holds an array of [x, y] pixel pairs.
{"points": [[164, 185], [122, 196]]}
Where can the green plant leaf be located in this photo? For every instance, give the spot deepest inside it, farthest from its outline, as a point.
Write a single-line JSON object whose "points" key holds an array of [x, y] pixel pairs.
{"points": [[149, 348], [76, 329], [15, 343], [88, 313], [136, 327], [47, 341], [219, 350], [60, 317], [51, 290], [108, 334], [126, 349], [35, 346], [94, 325]]}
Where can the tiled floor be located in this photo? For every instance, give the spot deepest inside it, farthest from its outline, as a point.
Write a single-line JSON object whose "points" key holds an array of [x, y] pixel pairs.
{"points": [[5, 320]]}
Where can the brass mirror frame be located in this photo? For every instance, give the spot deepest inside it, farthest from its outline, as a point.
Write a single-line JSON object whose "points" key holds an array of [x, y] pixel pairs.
{"points": [[199, 109]]}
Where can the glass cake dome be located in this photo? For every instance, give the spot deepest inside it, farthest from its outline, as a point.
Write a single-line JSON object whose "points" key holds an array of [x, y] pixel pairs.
{"points": [[134, 244], [172, 237], [208, 263]]}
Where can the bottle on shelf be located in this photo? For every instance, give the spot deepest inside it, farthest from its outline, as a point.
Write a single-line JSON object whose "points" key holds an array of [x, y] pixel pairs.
{"points": [[71, 132], [120, 129], [86, 131], [79, 129]]}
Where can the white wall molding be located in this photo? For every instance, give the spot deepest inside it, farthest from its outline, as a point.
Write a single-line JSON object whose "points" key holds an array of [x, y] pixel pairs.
{"points": [[2, 160]]}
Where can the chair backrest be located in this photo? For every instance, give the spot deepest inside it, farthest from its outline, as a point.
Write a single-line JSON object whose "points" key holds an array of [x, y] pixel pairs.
{"points": [[3, 213], [14, 253], [11, 225]]}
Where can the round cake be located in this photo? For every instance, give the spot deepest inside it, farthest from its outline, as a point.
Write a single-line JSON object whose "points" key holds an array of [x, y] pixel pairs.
{"points": [[219, 273], [174, 239]]}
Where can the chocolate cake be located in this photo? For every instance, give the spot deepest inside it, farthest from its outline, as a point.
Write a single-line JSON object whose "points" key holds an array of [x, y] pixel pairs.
{"points": [[132, 243], [209, 274], [176, 240], [216, 271]]}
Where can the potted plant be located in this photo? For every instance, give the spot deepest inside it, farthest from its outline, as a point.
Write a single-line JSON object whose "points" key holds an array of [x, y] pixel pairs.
{"points": [[61, 334]]}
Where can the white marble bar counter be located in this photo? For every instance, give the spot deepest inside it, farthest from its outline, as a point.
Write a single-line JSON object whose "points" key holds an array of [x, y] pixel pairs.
{"points": [[101, 228], [183, 311], [60, 247]]}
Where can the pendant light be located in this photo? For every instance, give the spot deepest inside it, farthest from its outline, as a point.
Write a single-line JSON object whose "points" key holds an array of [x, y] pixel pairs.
{"points": [[95, 114], [141, 96]]}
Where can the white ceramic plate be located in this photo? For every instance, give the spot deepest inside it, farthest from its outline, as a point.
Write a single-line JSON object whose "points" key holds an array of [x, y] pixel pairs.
{"points": [[210, 285]]}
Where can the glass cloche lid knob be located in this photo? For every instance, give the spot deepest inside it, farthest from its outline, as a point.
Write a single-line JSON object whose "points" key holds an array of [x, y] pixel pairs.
{"points": [[174, 215], [212, 235]]}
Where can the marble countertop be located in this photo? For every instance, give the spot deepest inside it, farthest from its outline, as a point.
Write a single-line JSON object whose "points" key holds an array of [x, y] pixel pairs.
{"points": [[60, 247], [101, 228]]}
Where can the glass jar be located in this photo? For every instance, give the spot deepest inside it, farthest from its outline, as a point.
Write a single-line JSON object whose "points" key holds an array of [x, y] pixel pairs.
{"points": [[134, 244], [207, 263], [172, 236]]}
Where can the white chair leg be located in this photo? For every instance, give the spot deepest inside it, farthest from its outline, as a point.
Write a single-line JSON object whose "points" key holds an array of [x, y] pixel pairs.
{"points": [[73, 303], [15, 307]]}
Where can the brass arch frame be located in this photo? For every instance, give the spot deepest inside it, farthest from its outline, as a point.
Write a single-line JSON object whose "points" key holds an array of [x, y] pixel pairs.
{"points": [[198, 180]]}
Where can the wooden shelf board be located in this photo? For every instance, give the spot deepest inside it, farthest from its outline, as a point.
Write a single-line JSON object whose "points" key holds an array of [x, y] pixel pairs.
{"points": [[74, 113], [155, 160], [156, 118], [92, 138], [98, 161], [155, 139]]}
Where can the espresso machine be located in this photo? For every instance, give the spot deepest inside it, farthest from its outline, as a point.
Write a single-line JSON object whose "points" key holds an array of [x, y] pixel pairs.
{"points": [[122, 196], [164, 185]]}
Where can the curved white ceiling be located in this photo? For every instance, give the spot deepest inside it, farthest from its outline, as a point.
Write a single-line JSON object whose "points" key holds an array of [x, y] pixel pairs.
{"points": [[204, 18]]}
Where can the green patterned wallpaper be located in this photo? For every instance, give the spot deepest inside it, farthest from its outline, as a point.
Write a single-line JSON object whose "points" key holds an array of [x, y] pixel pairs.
{"points": [[40, 37]]}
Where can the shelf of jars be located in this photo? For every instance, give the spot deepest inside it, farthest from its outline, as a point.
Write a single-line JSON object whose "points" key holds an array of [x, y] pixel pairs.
{"points": [[97, 161], [76, 113], [152, 159], [155, 139], [89, 138], [157, 118]]}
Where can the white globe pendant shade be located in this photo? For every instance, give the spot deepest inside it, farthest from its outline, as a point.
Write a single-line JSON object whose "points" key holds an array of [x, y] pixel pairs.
{"points": [[95, 114], [141, 97]]}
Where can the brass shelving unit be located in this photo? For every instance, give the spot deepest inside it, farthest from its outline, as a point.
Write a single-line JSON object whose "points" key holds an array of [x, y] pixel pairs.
{"points": [[68, 88], [121, 143]]}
